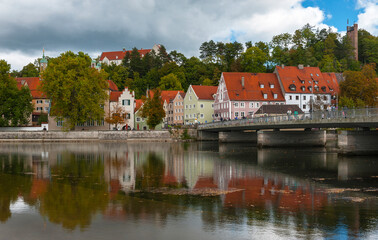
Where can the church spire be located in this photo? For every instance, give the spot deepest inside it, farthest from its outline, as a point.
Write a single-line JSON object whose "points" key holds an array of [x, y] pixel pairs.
{"points": [[43, 62]]}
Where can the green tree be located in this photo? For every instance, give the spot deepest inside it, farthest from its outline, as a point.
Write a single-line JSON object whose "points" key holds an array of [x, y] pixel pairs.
{"points": [[29, 70], [77, 92], [360, 86], [15, 104], [170, 82], [153, 110], [253, 60]]}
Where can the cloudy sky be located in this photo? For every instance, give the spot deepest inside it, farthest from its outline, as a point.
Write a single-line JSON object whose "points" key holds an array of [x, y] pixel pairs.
{"points": [[93, 26]]}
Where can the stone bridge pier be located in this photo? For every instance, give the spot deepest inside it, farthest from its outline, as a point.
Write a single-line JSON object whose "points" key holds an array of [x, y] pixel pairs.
{"points": [[358, 142], [291, 138]]}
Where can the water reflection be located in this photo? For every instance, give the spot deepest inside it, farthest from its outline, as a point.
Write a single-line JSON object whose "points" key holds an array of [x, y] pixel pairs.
{"points": [[234, 188]]}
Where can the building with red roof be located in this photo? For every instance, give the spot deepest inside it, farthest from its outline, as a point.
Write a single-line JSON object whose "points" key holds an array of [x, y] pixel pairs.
{"points": [[198, 103], [302, 84], [240, 95], [116, 57], [126, 101], [40, 102], [178, 108], [167, 97]]}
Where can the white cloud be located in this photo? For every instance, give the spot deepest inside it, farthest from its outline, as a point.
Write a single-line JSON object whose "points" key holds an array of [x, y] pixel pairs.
{"points": [[94, 25], [368, 20]]}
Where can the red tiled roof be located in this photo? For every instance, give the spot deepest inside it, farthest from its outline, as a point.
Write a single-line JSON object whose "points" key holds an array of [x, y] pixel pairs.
{"points": [[252, 90], [305, 78], [119, 55], [168, 95], [205, 92], [138, 104], [114, 96], [112, 86], [33, 83]]}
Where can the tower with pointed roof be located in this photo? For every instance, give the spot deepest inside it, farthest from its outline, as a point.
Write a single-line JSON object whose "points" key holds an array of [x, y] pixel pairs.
{"points": [[43, 62]]}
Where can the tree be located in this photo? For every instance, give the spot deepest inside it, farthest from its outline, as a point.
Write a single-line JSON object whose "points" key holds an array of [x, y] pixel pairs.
{"points": [[15, 104], [29, 70], [360, 86], [170, 82], [77, 92], [253, 60], [116, 116], [153, 110]]}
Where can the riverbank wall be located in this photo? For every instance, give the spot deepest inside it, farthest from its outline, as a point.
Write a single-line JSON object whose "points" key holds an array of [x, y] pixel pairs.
{"points": [[56, 136]]}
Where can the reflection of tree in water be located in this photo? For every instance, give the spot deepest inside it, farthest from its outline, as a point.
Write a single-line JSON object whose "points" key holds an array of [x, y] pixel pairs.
{"points": [[12, 184], [76, 193], [150, 176]]}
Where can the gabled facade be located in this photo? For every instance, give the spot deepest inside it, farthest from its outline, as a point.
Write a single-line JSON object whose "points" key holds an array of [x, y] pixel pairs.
{"points": [[198, 104], [178, 109], [240, 95], [125, 100], [116, 57], [301, 84], [167, 97]]}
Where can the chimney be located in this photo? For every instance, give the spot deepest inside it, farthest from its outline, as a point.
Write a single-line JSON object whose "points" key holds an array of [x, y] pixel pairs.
{"points": [[283, 66], [242, 82], [300, 66], [124, 49]]}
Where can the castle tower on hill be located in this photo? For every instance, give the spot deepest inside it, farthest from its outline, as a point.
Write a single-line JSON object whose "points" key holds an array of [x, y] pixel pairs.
{"points": [[352, 33], [43, 63]]}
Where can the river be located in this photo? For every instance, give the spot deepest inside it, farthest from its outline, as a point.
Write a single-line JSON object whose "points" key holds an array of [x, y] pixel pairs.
{"points": [[156, 190]]}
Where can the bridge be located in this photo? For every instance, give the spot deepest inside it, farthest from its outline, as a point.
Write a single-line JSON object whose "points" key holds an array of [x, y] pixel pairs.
{"points": [[300, 130]]}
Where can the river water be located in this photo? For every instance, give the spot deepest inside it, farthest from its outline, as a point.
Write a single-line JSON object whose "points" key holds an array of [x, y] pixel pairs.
{"points": [[184, 191]]}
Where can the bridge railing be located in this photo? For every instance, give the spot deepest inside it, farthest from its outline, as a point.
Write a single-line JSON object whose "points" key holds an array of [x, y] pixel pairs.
{"points": [[323, 115]]}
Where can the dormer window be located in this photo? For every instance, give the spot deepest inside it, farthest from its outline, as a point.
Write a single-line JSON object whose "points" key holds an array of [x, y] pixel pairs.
{"points": [[323, 88], [265, 95], [292, 87], [317, 75], [311, 74], [275, 95], [309, 88], [261, 85], [303, 88], [271, 85], [316, 88]]}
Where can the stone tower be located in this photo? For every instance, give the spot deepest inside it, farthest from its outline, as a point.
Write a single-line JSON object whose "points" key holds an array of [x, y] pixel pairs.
{"points": [[43, 62], [352, 33]]}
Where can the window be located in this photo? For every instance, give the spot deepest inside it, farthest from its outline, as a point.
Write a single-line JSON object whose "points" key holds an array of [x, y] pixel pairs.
{"points": [[190, 98], [304, 97], [296, 97], [290, 97], [47, 101], [190, 106], [261, 85], [138, 119], [292, 87], [201, 105], [186, 106], [242, 114], [250, 113], [265, 96], [126, 102], [325, 98], [236, 114], [194, 106], [275, 95], [242, 104], [59, 123], [39, 101], [257, 104], [46, 108], [201, 115], [39, 108], [186, 115], [127, 115], [304, 106], [271, 85], [251, 105], [236, 104]]}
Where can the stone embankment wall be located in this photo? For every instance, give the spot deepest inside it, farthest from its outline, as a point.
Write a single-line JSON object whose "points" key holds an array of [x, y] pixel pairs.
{"points": [[86, 136]]}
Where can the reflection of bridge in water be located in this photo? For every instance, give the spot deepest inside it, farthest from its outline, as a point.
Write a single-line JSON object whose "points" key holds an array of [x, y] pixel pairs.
{"points": [[288, 130]]}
